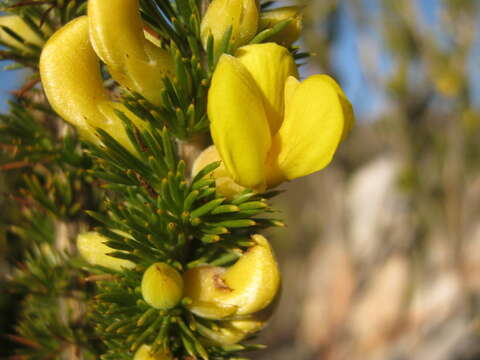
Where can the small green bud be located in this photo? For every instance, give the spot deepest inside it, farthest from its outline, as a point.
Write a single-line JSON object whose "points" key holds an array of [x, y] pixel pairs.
{"points": [[162, 286], [144, 353]]}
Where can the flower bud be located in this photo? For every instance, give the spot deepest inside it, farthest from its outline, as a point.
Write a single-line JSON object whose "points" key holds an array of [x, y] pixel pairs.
{"points": [[145, 353], [291, 32], [241, 15], [162, 286], [243, 289], [17, 25], [91, 246], [224, 183]]}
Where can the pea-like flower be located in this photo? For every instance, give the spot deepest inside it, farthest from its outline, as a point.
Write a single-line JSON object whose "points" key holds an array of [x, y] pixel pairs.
{"points": [[244, 289], [269, 127]]}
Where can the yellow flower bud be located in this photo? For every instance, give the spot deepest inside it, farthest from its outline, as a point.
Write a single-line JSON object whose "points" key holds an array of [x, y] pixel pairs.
{"points": [[291, 32], [224, 183], [145, 353], [15, 23], [91, 246], [241, 15], [243, 289], [162, 286], [116, 33]]}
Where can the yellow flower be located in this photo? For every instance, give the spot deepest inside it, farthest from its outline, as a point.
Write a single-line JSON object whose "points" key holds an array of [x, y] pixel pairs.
{"points": [[245, 288], [92, 247], [162, 286], [70, 73], [266, 125], [116, 33], [291, 32], [241, 15]]}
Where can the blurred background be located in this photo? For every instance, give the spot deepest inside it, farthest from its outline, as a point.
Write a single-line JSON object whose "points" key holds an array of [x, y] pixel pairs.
{"points": [[381, 257]]}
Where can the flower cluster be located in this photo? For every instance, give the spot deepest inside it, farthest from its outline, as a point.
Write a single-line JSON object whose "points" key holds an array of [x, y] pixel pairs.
{"points": [[267, 127]]}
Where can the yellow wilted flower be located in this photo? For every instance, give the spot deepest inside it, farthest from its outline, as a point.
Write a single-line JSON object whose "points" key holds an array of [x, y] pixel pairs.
{"points": [[92, 247], [291, 32], [70, 73], [241, 15], [116, 32], [266, 125], [15, 23], [245, 288], [162, 286]]}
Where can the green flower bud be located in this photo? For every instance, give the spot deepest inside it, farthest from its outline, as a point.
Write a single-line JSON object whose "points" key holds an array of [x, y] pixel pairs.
{"points": [[291, 32], [91, 246], [162, 286], [241, 15], [144, 353]]}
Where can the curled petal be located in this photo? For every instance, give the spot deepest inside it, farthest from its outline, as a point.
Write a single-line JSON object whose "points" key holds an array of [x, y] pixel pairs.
{"points": [[238, 123], [245, 288], [270, 65], [70, 74], [315, 120], [132, 60]]}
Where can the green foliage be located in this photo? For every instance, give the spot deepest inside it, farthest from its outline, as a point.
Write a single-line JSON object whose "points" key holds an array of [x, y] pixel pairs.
{"points": [[145, 203]]}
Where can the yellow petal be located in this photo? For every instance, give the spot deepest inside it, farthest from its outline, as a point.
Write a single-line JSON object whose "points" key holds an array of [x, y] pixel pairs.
{"points": [[346, 105], [291, 32], [202, 285], [270, 65], [92, 248], [16, 24], [224, 184], [241, 15], [238, 122], [245, 288], [71, 79], [116, 31], [315, 120]]}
